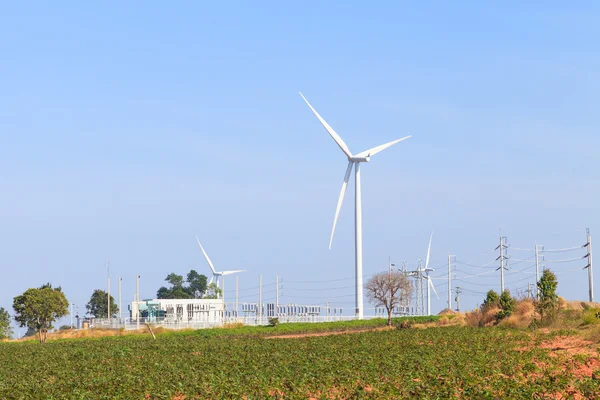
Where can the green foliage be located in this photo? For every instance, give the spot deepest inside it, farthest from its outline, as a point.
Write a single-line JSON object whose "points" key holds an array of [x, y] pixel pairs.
{"points": [[195, 289], [39, 308], [196, 284], [64, 327], [6, 331], [507, 305], [591, 316], [213, 291], [175, 280], [452, 362], [98, 305], [30, 332], [273, 321], [491, 300], [546, 306]]}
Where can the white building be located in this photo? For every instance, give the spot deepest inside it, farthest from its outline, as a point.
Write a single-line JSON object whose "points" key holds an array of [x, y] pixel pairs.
{"points": [[178, 311]]}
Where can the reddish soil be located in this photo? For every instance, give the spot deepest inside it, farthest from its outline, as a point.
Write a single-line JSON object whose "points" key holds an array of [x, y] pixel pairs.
{"points": [[569, 345], [317, 334]]}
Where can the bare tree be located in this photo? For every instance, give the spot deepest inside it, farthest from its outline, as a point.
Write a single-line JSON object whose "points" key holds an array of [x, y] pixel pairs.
{"points": [[389, 290]]}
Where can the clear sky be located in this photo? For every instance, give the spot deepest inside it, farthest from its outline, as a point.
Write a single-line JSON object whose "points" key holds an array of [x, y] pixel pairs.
{"points": [[126, 130]]}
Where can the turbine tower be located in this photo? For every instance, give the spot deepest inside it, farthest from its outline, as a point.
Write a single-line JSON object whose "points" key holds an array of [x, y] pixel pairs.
{"points": [[427, 270], [215, 274], [353, 161]]}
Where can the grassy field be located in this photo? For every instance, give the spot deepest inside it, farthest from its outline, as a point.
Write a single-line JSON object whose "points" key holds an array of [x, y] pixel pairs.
{"points": [[448, 362]]}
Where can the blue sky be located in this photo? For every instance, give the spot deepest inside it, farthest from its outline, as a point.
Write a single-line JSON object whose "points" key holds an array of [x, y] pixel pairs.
{"points": [[126, 130]]}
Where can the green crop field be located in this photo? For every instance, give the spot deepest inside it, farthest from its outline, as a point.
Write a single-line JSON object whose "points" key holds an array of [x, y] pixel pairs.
{"points": [[433, 363]]}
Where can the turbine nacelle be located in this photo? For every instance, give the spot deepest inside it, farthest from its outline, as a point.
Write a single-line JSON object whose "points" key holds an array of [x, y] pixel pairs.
{"points": [[359, 159]]}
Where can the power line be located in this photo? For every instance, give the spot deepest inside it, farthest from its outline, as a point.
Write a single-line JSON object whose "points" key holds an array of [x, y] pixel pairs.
{"points": [[566, 260], [562, 250], [476, 266]]}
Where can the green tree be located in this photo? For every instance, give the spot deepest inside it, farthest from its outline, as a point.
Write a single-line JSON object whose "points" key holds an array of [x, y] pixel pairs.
{"points": [[6, 331], [507, 305], [98, 305], [39, 308], [175, 280], [491, 300], [213, 291], [546, 305], [196, 284]]}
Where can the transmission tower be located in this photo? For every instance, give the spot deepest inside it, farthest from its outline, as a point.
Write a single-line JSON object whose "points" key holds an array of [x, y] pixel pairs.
{"points": [[503, 256]]}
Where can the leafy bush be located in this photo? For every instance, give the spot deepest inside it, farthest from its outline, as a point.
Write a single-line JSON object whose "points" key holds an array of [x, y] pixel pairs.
{"points": [[491, 300], [273, 321], [547, 305], [591, 316], [507, 305]]}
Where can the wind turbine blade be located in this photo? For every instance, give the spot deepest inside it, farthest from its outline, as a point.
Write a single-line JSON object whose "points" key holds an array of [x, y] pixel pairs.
{"points": [[232, 272], [377, 149], [210, 264], [433, 287], [329, 129], [340, 200], [428, 251]]}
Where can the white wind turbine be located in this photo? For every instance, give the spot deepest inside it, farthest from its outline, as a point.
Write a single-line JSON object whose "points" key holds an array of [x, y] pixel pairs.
{"points": [[216, 274], [427, 270], [353, 161]]}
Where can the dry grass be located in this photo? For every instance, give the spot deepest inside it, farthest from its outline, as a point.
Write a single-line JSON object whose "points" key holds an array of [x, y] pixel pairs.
{"points": [[457, 320], [233, 325], [447, 311], [521, 317], [472, 318], [91, 333]]}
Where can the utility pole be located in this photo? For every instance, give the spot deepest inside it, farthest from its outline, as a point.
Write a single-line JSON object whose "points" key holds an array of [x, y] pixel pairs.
{"points": [[589, 266], [119, 279], [236, 295], [502, 247], [421, 291], [529, 291], [137, 301], [537, 271], [108, 296], [458, 292], [260, 298], [276, 296], [450, 281], [390, 265]]}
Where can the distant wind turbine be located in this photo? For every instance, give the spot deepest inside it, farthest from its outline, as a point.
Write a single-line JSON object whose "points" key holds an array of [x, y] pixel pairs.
{"points": [[427, 270], [215, 274], [353, 161]]}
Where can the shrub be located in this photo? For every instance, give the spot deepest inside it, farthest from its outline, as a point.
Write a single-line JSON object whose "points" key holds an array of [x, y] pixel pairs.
{"points": [[591, 316], [473, 318], [507, 305], [491, 300], [547, 304], [274, 321]]}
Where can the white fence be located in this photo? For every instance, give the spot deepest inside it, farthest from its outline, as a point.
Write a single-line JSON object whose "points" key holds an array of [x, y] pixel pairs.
{"points": [[132, 324]]}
